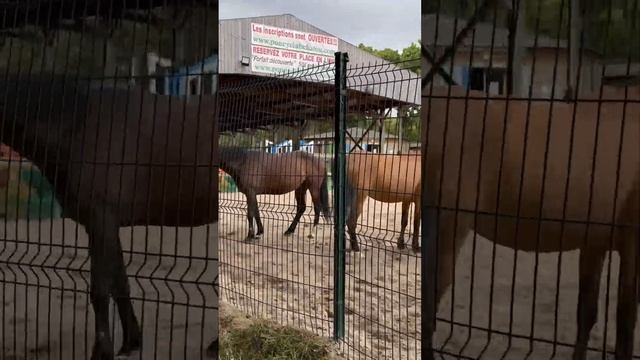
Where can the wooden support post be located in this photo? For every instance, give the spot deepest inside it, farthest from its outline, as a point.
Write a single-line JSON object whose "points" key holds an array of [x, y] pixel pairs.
{"points": [[517, 49], [295, 139], [575, 26], [400, 133]]}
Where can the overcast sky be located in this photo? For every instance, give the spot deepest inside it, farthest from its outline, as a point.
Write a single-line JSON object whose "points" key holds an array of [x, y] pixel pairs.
{"points": [[379, 23]]}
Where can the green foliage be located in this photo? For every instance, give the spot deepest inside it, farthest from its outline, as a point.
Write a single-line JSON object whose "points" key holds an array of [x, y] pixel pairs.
{"points": [[407, 58], [87, 54], [411, 122], [610, 27]]}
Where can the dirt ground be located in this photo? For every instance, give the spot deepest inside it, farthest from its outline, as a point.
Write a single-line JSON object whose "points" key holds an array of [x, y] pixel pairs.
{"points": [[290, 279], [46, 312]]}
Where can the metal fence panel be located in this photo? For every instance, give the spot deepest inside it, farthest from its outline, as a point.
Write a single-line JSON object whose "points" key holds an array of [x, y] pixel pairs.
{"points": [[383, 173], [88, 146], [263, 271], [531, 179], [296, 279]]}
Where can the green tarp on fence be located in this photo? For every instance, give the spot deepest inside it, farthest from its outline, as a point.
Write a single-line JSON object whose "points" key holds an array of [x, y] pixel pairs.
{"points": [[226, 183], [27, 194]]}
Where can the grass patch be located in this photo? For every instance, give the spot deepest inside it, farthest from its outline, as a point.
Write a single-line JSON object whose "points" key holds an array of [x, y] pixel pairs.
{"points": [[263, 339]]}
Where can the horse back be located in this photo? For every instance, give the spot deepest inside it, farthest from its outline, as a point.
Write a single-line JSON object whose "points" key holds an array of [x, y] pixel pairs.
{"points": [[152, 160], [386, 177], [266, 173], [538, 160]]}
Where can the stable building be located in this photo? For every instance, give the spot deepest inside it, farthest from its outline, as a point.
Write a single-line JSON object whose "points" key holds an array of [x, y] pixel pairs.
{"points": [[480, 61]]}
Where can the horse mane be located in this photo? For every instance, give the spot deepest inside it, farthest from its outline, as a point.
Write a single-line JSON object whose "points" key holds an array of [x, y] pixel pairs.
{"points": [[230, 155]]}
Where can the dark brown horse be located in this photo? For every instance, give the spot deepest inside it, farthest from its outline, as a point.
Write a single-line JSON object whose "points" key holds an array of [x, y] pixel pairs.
{"points": [[116, 157], [537, 177], [389, 178], [258, 172]]}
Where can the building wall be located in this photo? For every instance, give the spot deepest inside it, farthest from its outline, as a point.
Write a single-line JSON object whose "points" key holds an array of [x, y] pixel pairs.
{"points": [[461, 60], [178, 83], [235, 41], [543, 80], [545, 65], [393, 145]]}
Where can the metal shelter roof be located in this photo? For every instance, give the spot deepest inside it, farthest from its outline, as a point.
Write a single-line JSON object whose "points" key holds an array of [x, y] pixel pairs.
{"points": [[253, 100]]}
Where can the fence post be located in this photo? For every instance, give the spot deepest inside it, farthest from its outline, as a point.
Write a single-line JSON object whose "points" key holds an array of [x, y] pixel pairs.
{"points": [[429, 250], [341, 60]]}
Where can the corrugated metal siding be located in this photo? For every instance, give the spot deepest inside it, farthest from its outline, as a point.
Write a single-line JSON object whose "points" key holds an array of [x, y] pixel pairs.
{"points": [[235, 42]]}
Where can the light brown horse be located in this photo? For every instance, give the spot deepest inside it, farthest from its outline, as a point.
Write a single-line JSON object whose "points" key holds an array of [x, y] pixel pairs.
{"points": [[387, 178], [534, 177], [258, 172]]}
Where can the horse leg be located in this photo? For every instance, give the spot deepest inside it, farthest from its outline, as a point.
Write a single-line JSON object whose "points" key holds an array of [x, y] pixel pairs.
{"points": [[404, 223], [251, 200], [317, 204], [103, 235], [120, 292], [417, 219], [448, 248], [300, 208], [352, 221], [256, 215], [591, 262], [627, 307], [212, 349]]}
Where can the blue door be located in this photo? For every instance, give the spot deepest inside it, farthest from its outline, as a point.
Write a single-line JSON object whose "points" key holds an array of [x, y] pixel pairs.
{"points": [[465, 77]]}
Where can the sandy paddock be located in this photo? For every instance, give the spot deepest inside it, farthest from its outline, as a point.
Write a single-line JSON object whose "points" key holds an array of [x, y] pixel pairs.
{"points": [[46, 314], [44, 277], [290, 279]]}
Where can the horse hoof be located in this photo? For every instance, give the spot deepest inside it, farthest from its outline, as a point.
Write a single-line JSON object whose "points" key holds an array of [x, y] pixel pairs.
{"points": [[102, 355], [126, 356], [212, 349], [401, 246], [127, 349], [288, 233], [416, 249], [310, 236], [428, 355]]}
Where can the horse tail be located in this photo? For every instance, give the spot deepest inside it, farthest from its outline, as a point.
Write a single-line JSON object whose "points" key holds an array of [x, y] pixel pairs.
{"points": [[324, 198]]}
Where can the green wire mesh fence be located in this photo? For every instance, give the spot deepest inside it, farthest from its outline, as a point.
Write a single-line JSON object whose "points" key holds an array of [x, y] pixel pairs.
{"points": [[278, 156], [94, 121], [532, 121]]}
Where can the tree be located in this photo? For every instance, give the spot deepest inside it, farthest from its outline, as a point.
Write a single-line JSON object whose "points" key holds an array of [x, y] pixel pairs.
{"points": [[609, 27], [99, 48], [408, 58]]}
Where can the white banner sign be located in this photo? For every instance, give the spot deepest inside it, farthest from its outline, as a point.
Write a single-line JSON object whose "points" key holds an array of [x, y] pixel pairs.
{"points": [[276, 50]]}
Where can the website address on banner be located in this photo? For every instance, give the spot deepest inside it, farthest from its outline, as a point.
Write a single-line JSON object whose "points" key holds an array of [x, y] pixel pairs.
{"points": [[272, 69], [277, 70], [293, 46]]}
